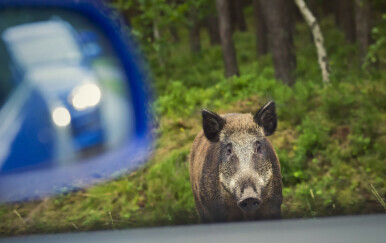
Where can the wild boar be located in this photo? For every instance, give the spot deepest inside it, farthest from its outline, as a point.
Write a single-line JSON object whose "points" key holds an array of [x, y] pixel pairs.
{"points": [[234, 170]]}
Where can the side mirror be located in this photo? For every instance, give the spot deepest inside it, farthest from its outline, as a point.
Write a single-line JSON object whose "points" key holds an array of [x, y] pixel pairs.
{"points": [[68, 118]]}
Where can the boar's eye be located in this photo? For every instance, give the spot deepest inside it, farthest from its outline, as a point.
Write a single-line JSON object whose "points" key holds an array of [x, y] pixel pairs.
{"points": [[228, 149], [257, 146]]}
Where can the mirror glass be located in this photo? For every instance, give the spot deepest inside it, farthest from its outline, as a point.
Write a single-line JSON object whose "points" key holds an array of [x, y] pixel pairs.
{"points": [[64, 96]]}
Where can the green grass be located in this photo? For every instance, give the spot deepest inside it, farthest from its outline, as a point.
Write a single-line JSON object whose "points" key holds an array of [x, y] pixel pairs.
{"points": [[330, 140]]}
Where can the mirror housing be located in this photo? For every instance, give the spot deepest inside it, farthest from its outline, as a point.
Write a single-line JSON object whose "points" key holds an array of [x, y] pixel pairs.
{"points": [[36, 177]]}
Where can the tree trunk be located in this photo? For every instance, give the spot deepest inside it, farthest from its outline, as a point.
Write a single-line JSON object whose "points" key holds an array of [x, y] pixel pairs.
{"points": [[240, 20], [232, 14], [157, 37], [327, 7], [127, 16], [363, 27], [290, 20], [174, 34], [211, 23], [228, 48], [279, 26], [347, 20], [172, 29], [318, 39], [194, 32], [313, 6], [336, 8], [236, 14], [156, 32], [261, 29]]}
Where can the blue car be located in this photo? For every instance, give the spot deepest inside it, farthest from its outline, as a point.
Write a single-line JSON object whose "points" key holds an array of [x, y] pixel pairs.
{"points": [[51, 75]]}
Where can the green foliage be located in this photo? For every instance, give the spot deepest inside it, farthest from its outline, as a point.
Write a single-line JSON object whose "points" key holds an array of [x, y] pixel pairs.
{"points": [[376, 51], [153, 21], [168, 191]]}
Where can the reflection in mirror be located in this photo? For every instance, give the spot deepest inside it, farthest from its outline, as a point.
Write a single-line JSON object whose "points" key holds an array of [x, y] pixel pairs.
{"points": [[63, 95]]}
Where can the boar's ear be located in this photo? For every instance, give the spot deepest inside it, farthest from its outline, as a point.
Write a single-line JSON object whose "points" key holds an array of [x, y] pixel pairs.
{"points": [[266, 118], [212, 125]]}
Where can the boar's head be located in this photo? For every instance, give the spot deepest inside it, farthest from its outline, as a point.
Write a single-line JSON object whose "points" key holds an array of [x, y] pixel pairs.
{"points": [[245, 154]]}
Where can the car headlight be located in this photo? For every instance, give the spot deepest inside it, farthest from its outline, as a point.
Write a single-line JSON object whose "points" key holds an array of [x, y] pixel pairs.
{"points": [[61, 116], [85, 96]]}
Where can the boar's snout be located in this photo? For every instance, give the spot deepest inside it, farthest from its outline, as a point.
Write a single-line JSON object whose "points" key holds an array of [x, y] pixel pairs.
{"points": [[249, 205], [249, 201]]}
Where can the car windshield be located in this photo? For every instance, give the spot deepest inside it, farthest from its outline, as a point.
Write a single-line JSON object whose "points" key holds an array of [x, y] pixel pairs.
{"points": [[47, 49], [46, 46]]}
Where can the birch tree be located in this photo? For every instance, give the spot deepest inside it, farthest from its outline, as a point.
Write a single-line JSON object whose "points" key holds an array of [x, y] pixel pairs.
{"points": [[318, 39]]}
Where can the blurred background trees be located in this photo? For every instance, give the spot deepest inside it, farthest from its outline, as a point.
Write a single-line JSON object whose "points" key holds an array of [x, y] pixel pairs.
{"points": [[156, 24]]}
